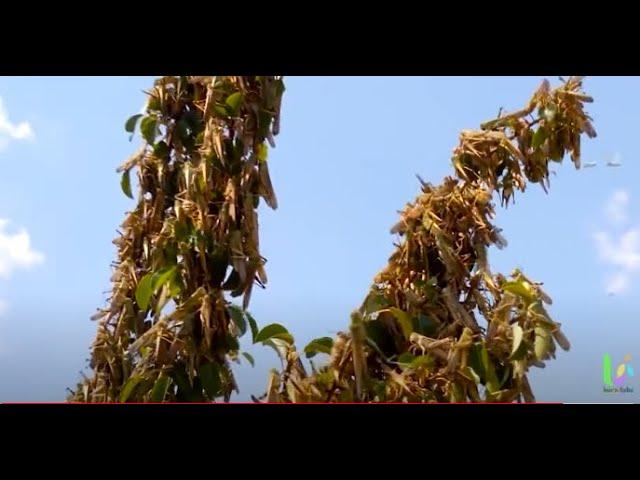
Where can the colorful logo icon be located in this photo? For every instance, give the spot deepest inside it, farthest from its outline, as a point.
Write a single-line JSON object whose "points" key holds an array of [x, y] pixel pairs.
{"points": [[622, 373]]}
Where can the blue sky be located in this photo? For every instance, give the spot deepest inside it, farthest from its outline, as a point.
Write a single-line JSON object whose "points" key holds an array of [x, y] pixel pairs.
{"points": [[345, 162]]}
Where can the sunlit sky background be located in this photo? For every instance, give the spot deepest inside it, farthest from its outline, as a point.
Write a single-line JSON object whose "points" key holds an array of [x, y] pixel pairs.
{"points": [[345, 162]]}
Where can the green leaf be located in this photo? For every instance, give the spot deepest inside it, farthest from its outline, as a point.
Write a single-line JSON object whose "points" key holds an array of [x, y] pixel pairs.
{"points": [[237, 315], [262, 153], [325, 378], [520, 288], [160, 389], [556, 150], [181, 231], [249, 358], [279, 345], [181, 379], [154, 104], [209, 374], [422, 361], [406, 359], [125, 183], [160, 149], [505, 376], [253, 325], [543, 343], [378, 335], [404, 319], [480, 362], [457, 394], [161, 277], [541, 314], [232, 344], [472, 374], [233, 101], [285, 337], [318, 345], [475, 360], [131, 123], [538, 138], [264, 122], [424, 325], [375, 301], [221, 111], [518, 348], [144, 291], [129, 387], [148, 129], [489, 371], [182, 128], [274, 330], [175, 287]]}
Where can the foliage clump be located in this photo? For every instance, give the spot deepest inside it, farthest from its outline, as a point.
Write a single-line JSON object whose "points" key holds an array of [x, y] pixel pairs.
{"points": [[437, 325], [168, 332]]}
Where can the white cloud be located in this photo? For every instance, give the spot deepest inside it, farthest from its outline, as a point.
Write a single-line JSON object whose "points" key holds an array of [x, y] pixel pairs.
{"points": [[621, 251], [624, 253], [618, 283], [12, 131], [16, 251], [616, 208]]}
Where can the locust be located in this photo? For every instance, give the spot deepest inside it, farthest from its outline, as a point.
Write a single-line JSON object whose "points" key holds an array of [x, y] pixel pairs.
{"points": [[196, 218], [439, 275]]}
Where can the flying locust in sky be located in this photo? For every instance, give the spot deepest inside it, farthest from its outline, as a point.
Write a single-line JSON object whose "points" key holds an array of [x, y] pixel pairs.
{"points": [[615, 162]]}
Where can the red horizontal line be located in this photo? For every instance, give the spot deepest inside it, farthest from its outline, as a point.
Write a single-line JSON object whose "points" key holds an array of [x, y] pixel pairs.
{"points": [[278, 403]]}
